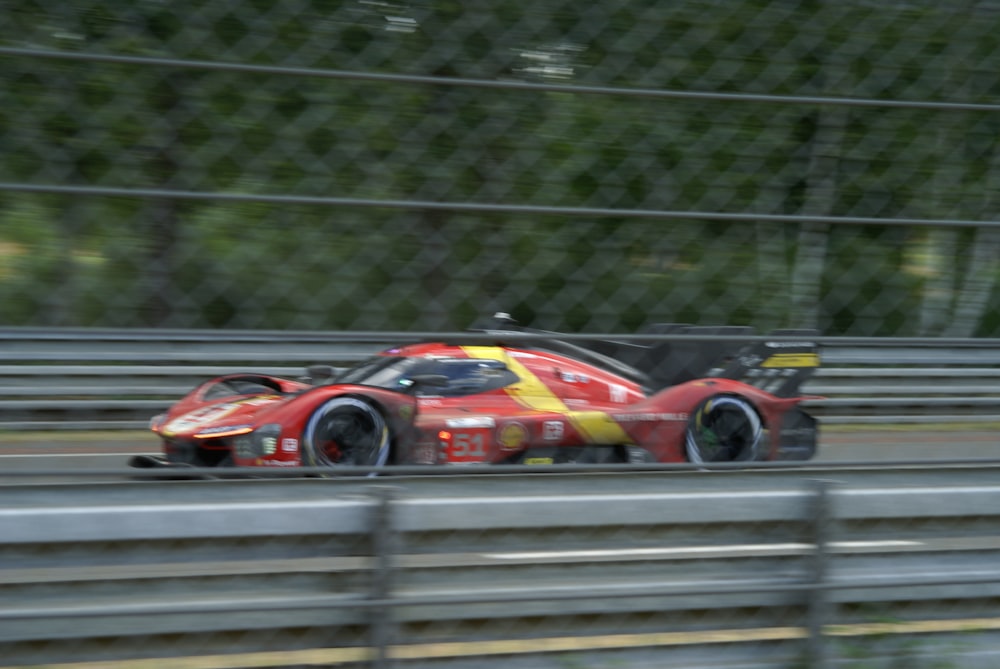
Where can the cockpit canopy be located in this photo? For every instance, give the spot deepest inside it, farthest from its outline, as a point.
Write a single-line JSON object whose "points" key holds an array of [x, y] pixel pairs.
{"points": [[465, 376]]}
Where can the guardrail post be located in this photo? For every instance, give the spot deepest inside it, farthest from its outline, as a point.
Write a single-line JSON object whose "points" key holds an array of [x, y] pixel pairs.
{"points": [[818, 606], [383, 550]]}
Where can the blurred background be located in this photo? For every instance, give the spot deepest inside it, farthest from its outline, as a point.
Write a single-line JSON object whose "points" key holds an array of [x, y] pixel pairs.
{"points": [[368, 165]]}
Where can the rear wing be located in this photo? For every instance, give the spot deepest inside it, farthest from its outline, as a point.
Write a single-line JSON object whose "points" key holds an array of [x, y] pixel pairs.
{"points": [[778, 364]]}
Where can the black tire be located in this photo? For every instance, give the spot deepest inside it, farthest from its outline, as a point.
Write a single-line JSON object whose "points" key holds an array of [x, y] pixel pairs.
{"points": [[346, 431], [723, 428]]}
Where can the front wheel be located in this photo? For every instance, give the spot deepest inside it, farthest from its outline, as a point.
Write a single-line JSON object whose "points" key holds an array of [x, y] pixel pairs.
{"points": [[723, 428], [346, 431]]}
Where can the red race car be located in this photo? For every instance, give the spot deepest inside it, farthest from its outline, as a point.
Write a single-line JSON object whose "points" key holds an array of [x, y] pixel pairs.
{"points": [[544, 400]]}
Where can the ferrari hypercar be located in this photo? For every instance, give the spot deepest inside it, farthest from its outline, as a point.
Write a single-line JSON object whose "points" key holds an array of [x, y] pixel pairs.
{"points": [[510, 399]]}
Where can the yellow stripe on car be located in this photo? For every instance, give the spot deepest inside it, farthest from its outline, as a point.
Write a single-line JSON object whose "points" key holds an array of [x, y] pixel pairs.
{"points": [[599, 427], [531, 392], [792, 360]]}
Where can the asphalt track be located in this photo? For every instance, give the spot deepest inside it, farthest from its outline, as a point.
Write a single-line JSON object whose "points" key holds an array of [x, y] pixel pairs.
{"points": [[97, 450]]}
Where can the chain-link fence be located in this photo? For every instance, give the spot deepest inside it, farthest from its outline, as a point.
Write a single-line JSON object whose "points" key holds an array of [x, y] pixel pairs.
{"points": [[358, 164]]}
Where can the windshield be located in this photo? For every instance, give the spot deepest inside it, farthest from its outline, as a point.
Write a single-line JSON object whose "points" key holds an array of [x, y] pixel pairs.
{"points": [[383, 372], [463, 376]]}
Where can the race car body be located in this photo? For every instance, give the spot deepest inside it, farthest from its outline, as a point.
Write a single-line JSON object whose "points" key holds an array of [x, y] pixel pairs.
{"points": [[543, 401]]}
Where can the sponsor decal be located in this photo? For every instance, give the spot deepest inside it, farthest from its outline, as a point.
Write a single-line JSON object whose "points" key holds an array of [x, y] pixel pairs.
{"points": [[649, 417], [289, 445], [553, 430], [512, 436], [276, 463], [472, 421], [538, 461], [619, 393]]}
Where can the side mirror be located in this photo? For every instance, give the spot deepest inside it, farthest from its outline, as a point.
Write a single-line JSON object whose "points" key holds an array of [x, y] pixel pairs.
{"points": [[426, 381], [320, 374]]}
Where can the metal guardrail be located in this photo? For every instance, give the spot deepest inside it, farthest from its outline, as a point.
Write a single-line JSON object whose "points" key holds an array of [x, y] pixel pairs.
{"points": [[53, 379], [490, 571]]}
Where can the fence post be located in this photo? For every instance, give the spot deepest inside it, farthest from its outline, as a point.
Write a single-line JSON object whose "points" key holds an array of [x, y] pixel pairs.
{"points": [[383, 551], [818, 606]]}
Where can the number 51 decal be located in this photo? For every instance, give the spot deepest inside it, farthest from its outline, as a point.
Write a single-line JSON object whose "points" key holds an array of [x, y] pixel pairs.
{"points": [[467, 445]]}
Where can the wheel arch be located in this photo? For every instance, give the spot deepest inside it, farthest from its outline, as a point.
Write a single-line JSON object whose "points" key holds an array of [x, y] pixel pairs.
{"points": [[361, 406]]}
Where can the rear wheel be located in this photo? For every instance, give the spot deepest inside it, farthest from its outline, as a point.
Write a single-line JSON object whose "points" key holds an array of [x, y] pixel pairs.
{"points": [[724, 428], [346, 431]]}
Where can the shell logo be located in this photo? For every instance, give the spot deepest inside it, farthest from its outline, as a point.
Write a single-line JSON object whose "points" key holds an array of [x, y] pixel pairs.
{"points": [[512, 436]]}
